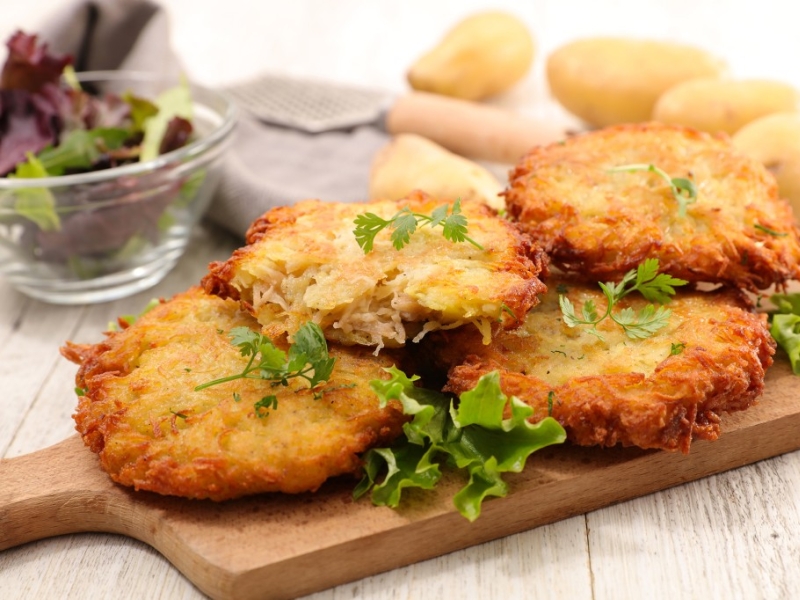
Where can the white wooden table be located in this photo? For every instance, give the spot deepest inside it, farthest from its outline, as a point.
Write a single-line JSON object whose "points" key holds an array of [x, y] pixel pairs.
{"points": [[734, 535]]}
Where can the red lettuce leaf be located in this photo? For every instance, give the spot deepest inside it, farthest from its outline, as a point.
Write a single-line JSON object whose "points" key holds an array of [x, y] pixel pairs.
{"points": [[29, 66], [26, 125]]}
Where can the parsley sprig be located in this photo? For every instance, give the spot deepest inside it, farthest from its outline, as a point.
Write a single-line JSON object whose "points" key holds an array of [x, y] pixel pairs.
{"points": [[307, 359], [684, 190], [472, 436], [645, 279], [405, 222]]}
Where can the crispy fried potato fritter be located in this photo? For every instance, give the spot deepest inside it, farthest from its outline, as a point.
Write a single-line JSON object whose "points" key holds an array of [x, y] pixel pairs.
{"points": [[599, 223], [303, 264], [657, 392], [140, 412]]}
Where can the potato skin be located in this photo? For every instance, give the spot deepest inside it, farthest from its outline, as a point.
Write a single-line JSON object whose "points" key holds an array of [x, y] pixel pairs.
{"points": [[601, 223], [411, 162], [614, 391], [774, 140], [726, 105], [608, 80], [482, 56]]}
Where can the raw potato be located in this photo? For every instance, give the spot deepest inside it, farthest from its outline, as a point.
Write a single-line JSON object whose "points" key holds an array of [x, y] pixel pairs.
{"points": [[775, 141], [715, 105], [411, 162], [483, 55], [606, 81]]}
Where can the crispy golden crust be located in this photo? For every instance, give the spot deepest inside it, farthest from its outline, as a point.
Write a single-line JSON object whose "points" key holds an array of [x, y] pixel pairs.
{"points": [[140, 412], [303, 263], [600, 224], [624, 391]]}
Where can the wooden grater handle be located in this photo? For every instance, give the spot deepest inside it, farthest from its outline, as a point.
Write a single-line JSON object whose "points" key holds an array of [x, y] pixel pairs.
{"points": [[470, 129]]}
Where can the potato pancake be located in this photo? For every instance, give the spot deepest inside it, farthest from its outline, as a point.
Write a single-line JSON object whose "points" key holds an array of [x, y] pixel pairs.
{"points": [[303, 263], [140, 412], [657, 392], [599, 222]]}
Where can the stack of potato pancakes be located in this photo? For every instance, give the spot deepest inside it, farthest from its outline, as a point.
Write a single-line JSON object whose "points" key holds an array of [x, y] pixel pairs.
{"points": [[593, 208]]}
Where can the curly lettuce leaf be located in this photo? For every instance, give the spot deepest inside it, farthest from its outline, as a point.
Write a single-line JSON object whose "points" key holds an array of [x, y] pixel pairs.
{"points": [[785, 326], [475, 437]]}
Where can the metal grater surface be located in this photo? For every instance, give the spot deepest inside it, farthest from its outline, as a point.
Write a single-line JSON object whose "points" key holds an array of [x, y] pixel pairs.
{"points": [[311, 106]]}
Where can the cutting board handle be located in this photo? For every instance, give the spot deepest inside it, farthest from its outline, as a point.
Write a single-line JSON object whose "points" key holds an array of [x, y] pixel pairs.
{"points": [[43, 495], [477, 131]]}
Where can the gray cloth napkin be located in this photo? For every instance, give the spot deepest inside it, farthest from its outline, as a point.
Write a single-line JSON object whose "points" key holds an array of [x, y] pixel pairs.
{"points": [[264, 166]]}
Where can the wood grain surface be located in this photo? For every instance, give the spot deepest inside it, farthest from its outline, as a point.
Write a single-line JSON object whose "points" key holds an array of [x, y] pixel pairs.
{"points": [[237, 549], [731, 535]]}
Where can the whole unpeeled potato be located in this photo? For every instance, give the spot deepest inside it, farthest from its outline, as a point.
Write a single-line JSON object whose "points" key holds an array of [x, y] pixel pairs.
{"points": [[483, 55], [607, 80], [775, 141], [412, 162], [727, 105]]}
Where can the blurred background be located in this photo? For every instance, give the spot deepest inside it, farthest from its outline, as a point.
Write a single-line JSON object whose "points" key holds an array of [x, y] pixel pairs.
{"points": [[374, 42]]}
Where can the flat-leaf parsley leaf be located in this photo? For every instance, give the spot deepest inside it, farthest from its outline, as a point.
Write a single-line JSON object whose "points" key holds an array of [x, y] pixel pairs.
{"points": [[405, 222], [307, 359], [645, 279]]}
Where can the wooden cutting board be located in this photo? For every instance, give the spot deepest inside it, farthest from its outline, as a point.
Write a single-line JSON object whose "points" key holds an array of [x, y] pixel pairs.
{"points": [[287, 546]]}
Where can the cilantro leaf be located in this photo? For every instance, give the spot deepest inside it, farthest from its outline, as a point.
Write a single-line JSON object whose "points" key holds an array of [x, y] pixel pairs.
{"points": [[307, 358], [474, 437], [368, 226], [645, 279], [405, 223]]}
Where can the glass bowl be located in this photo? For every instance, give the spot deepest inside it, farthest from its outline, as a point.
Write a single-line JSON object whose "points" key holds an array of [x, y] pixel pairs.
{"points": [[97, 236]]}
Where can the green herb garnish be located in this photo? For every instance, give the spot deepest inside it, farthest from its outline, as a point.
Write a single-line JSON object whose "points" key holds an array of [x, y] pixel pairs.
{"points": [[474, 437], [307, 359], [676, 349], [645, 279], [262, 406], [769, 231], [785, 326], [684, 190], [405, 222], [131, 319]]}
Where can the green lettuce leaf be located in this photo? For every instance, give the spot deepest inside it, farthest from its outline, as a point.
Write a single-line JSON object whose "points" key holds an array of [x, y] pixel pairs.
{"points": [[81, 149], [174, 102], [474, 437], [785, 326], [35, 203]]}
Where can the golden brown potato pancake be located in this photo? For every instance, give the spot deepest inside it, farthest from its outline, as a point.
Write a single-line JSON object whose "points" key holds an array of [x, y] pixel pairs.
{"points": [[657, 392], [302, 263], [140, 412], [600, 224]]}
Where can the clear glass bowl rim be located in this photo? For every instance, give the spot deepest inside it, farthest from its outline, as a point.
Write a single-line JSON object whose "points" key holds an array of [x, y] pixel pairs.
{"points": [[185, 153]]}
